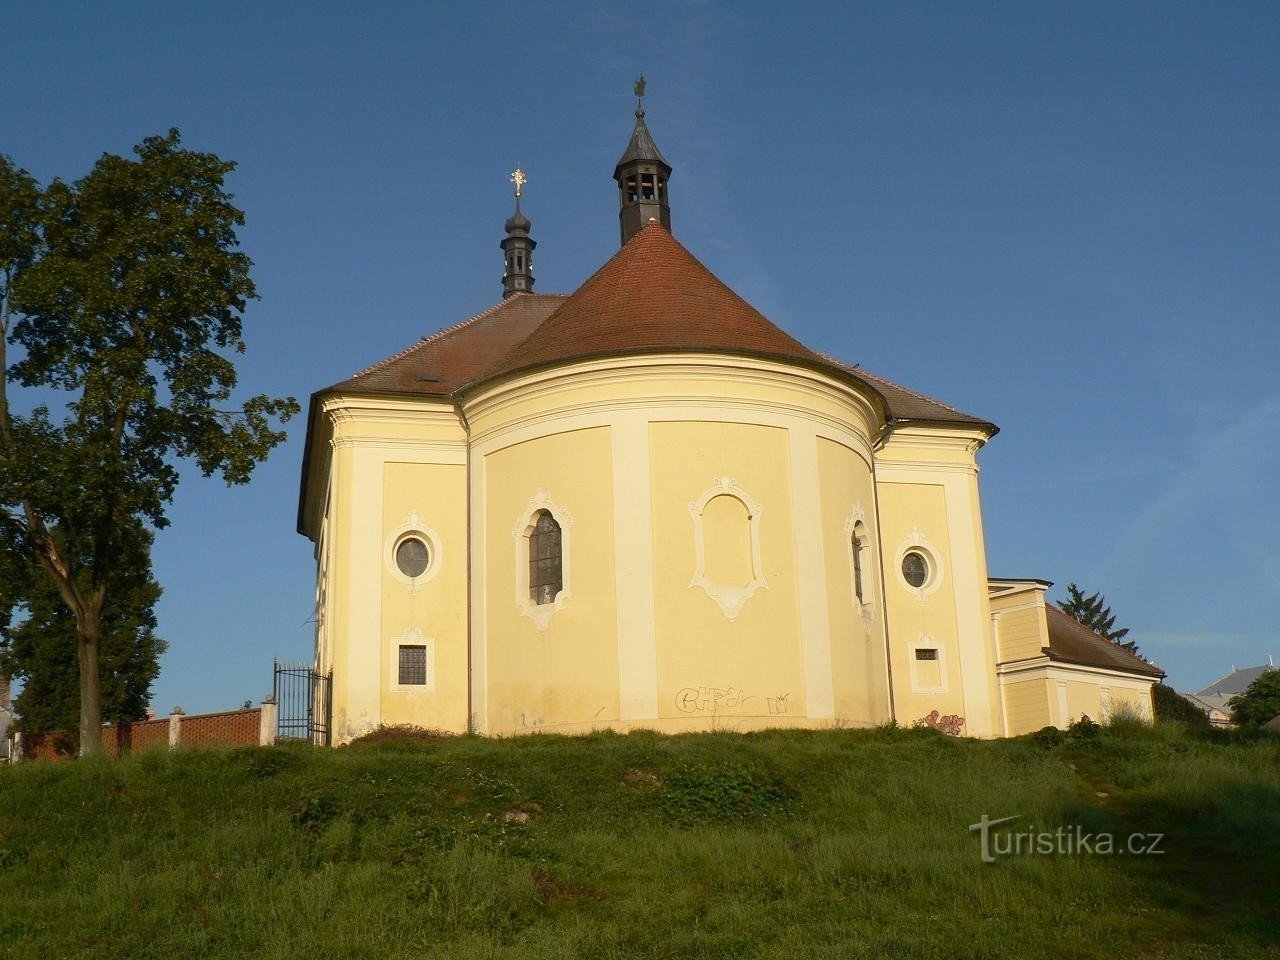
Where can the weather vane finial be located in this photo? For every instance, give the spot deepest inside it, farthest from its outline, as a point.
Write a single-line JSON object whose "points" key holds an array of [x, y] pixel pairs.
{"points": [[519, 179], [640, 87]]}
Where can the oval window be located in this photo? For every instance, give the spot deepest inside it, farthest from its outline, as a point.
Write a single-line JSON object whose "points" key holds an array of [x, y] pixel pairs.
{"points": [[915, 569], [412, 557]]}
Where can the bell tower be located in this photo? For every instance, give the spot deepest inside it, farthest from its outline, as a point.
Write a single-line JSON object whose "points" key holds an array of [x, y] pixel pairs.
{"points": [[517, 246], [642, 176]]}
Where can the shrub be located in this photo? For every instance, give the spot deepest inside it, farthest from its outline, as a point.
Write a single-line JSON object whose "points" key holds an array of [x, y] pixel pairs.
{"points": [[1171, 705], [1048, 737], [1084, 730]]}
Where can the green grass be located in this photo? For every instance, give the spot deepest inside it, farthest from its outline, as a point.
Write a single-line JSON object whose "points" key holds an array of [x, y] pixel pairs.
{"points": [[834, 844]]}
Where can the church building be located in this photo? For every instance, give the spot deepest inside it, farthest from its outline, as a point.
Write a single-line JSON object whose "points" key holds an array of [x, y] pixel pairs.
{"points": [[641, 504]]}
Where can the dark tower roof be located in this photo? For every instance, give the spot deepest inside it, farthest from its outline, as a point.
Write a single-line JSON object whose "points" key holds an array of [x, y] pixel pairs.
{"points": [[640, 146], [642, 176]]}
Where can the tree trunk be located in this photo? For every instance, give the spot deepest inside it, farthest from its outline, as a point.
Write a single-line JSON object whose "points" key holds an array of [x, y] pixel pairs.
{"points": [[90, 692]]}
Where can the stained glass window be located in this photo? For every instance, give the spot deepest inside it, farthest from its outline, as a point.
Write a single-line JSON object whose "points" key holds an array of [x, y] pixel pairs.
{"points": [[546, 577], [915, 569], [412, 557]]}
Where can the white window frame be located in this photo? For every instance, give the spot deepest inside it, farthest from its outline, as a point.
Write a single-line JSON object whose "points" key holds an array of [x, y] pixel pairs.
{"points": [[869, 575], [414, 527], [542, 613], [730, 599], [926, 642], [411, 637], [917, 542]]}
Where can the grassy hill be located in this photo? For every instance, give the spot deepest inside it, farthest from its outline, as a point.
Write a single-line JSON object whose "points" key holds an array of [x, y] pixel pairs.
{"points": [[832, 844]]}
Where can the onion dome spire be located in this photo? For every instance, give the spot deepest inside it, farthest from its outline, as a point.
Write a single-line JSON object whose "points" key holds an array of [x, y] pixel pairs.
{"points": [[642, 175], [517, 246]]}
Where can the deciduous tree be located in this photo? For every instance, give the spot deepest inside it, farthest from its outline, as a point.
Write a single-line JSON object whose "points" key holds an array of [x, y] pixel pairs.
{"points": [[123, 294], [39, 647], [1260, 702]]}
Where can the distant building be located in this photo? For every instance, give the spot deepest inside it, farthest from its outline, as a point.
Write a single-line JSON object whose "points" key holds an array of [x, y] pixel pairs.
{"points": [[642, 504], [1215, 699]]}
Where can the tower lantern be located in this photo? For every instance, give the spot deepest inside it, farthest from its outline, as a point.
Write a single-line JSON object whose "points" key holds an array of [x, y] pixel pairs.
{"points": [[642, 176], [517, 246]]}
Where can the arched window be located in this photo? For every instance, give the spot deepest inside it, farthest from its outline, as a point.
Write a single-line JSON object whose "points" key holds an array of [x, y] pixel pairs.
{"points": [[546, 572]]}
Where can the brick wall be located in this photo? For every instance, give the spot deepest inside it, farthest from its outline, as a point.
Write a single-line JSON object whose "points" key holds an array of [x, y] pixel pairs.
{"points": [[231, 728]]}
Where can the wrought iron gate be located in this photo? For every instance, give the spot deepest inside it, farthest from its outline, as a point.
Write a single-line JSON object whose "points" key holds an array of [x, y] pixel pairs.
{"points": [[304, 701]]}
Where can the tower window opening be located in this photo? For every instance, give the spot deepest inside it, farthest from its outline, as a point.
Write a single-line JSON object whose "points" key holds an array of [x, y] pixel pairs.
{"points": [[519, 262], [630, 189], [648, 187]]}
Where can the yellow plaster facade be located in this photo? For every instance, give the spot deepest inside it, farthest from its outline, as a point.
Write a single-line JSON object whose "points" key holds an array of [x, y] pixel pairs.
{"points": [[708, 506], [644, 505]]}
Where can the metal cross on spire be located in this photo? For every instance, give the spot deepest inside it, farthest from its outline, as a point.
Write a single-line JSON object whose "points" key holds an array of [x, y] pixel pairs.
{"points": [[519, 179], [640, 87]]}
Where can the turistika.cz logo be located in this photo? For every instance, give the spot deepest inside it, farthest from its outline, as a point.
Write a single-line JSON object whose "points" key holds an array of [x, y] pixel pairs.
{"points": [[1064, 841]]}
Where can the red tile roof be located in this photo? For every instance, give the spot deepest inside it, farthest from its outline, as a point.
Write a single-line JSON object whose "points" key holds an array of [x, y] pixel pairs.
{"points": [[439, 364], [1070, 641], [652, 296]]}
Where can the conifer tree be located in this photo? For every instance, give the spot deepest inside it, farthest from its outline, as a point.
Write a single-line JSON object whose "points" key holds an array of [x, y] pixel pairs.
{"points": [[1093, 612]]}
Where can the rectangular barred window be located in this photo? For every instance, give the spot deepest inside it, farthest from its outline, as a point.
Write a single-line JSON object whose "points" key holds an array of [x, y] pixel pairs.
{"points": [[926, 653], [413, 665]]}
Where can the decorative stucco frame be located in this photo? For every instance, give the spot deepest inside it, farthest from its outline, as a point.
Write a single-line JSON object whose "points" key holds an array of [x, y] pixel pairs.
{"points": [[411, 637], [541, 613], [869, 572], [926, 642], [414, 526], [730, 599], [917, 541]]}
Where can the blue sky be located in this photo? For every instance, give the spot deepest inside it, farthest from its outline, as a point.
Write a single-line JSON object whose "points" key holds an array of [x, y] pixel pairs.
{"points": [[1060, 217]]}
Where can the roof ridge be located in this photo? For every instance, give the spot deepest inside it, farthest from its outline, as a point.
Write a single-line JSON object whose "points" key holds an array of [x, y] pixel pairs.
{"points": [[445, 331]]}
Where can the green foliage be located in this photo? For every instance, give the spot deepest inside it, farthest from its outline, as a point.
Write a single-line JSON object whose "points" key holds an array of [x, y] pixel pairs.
{"points": [[1084, 730], [1094, 613], [1171, 705], [413, 849], [696, 794], [41, 649], [1048, 737], [123, 292], [1260, 703]]}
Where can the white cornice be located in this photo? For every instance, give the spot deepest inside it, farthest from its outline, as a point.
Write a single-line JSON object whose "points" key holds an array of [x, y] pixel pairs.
{"points": [[656, 368], [1049, 669]]}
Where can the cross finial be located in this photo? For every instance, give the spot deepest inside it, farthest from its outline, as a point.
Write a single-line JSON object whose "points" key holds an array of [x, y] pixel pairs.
{"points": [[519, 179], [640, 86]]}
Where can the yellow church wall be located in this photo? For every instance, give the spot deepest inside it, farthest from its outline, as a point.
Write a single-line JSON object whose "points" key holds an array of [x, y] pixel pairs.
{"points": [[349, 509], [428, 499], [635, 399], [859, 675], [927, 484], [1136, 701], [1026, 706], [566, 673], [914, 515], [714, 661], [1021, 630], [1070, 692]]}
